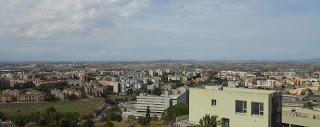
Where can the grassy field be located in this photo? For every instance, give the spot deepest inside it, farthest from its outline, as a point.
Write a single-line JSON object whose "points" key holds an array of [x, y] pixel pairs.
{"points": [[83, 107]]}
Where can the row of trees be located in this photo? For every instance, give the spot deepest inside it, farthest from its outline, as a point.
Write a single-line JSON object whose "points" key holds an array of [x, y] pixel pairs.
{"points": [[4, 84], [51, 118], [174, 111]]}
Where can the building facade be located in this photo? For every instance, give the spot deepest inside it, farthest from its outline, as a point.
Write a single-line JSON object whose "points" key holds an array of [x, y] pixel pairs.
{"points": [[236, 107], [31, 96], [300, 117], [157, 104]]}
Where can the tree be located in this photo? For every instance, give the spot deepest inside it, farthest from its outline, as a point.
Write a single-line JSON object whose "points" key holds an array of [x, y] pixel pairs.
{"points": [[156, 91], [88, 123], [109, 100], [148, 118], [87, 116], [131, 119], [73, 97], [70, 119], [50, 97], [174, 111], [50, 118], [209, 121], [4, 84], [3, 116], [33, 117], [308, 105], [109, 89], [145, 120], [142, 121], [164, 78], [18, 119], [114, 114], [108, 124]]}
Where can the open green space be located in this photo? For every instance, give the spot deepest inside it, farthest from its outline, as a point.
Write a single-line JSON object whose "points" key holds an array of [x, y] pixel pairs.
{"points": [[82, 107]]}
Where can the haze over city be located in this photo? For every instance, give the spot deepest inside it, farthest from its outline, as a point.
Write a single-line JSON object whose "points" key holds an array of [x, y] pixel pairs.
{"points": [[113, 30]]}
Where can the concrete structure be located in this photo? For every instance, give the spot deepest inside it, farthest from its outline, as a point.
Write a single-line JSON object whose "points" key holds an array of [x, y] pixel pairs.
{"points": [[179, 95], [115, 86], [83, 77], [233, 84], [70, 92], [300, 117], [9, 95], [236, 107], [11, 92], [268, 83], [157, 104], [6, 124], [58, 94], [31, 96]]}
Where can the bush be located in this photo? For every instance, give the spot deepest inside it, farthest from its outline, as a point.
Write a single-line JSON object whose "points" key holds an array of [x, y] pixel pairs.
{"points": [[174, 111], [108, 124], [114, 114]]}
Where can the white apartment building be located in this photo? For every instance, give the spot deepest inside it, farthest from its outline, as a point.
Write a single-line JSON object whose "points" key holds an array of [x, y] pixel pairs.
{"points": [[268, 83], [157, 104]]}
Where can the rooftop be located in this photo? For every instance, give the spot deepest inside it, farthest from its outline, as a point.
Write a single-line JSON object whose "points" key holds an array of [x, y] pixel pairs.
{"points": [[244, 90]]}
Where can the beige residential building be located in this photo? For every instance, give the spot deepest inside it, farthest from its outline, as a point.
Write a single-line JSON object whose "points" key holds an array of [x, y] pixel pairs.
{"points": [[300, 117], [236, 107], [31, 96]]}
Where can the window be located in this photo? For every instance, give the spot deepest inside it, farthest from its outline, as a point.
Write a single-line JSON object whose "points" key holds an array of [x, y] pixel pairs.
{"points": [[213, 102], [256, 108], [225, 122], [241, 106]]}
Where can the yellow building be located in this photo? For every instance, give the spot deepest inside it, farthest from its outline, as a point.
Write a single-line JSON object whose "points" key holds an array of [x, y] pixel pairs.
{"points": [[236, 107], [298, 91]]}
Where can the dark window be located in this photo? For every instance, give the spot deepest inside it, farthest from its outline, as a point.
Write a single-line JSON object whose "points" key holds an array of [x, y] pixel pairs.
{"points": [[225, 122], [241, 106], [256, 108], [213, 102]]}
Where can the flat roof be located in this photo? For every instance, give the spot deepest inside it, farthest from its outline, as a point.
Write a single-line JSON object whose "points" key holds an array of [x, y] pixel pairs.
{"points": [[243, 90], [301, 110]]}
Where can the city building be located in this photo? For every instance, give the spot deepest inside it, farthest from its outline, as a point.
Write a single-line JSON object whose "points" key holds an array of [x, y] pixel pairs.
{"points": [[70, 92], [58, 94], [31, 96], [6, 124], [157, 104], [115, 86], [83, 77], [236, 107], [300, 117]]}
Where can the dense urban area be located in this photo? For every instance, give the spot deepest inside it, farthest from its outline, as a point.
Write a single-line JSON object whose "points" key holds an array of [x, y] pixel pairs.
{"points": [[160, 94]]}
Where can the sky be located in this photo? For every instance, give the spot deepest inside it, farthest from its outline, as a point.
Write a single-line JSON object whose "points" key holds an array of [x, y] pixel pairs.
{"points": [[130, 30]]}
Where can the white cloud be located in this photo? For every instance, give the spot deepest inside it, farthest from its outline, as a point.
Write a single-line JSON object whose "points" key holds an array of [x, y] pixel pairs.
{"points": [[62, 18]]}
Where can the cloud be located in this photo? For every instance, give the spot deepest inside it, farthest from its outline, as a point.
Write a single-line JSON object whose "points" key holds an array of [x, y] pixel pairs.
{"points": [[209, 8], [62, 18], [31, 49]]}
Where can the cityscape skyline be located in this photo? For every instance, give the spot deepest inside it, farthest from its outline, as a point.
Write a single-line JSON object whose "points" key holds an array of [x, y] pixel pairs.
{"points": [[143, 30]]}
